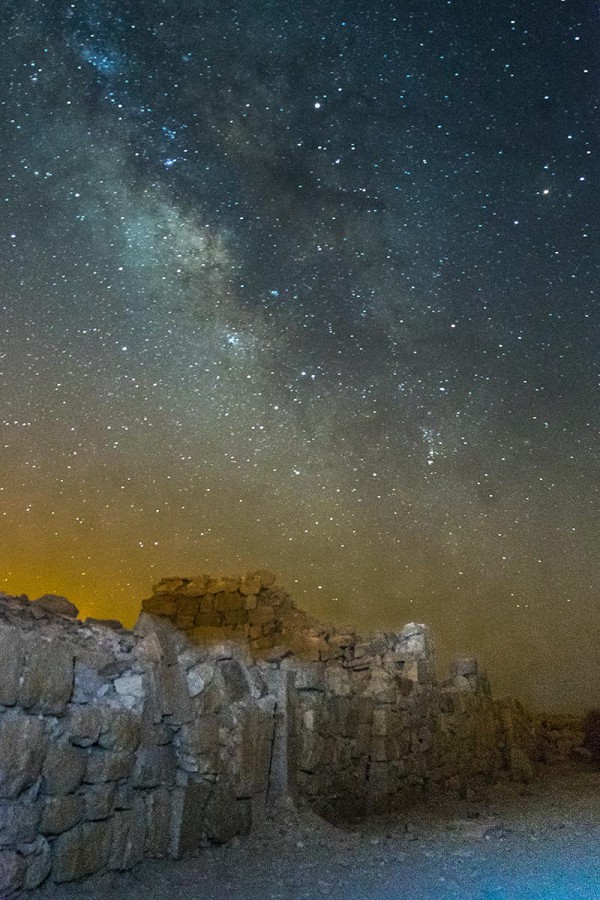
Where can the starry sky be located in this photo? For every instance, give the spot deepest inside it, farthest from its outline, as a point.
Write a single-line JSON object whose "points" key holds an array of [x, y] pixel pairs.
{"points": [[312, 287]]}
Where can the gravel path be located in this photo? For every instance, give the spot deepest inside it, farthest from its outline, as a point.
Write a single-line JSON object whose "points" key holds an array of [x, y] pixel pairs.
{"points": [[515, 843]]}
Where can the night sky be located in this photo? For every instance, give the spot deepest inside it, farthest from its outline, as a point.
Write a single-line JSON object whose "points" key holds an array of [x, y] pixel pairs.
{"points": [[312, 287]]}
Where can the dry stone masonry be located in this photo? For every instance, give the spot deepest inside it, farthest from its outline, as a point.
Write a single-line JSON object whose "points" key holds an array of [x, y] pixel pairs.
{"points": [[116, 744]]}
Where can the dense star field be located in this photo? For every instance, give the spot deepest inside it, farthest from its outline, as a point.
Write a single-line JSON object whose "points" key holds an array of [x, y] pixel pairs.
{"points": [[313, 287]]}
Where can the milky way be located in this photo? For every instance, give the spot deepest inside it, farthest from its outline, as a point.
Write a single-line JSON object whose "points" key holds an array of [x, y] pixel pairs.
{"points": [[312, 287]]}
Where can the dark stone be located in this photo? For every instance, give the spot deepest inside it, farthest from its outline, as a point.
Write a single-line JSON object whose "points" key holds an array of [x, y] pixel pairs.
{"points": [[154, 766], [234, 679], [18, 822], [47, 681], [22, 748], [108, 765], [10, 668], [100, 801], [63, 768], [62, 813], [82, 851], [57, 605]]}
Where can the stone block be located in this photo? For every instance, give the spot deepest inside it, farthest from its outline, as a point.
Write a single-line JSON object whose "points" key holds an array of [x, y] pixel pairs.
{"points": [[229, 602], [160, 605], [18, 822], [193, 587], [88, 684], [208, 618], [100, 801], [154, 766], [206, 635], [338, 681], [62, 813], [234, 680], [124, 796], [380, 722], [187, 818], [222, 585], [225, 816], [466, 666], [11, 653], [187, 608], [58, 606], [38, 862], [158, 815], [309, 751], [310, 676], [169, 639], [130, 684], [175, 697], [235, 618], [108, 765], [82, 851], [12, 872], [198, 746], [198, 677], [169, 585], [63, 768], [262, 615], [47, 680], [414, 641], [129, 836], [22, 750], [121, 730], [250, 602], [250, 584], [84, 725]]}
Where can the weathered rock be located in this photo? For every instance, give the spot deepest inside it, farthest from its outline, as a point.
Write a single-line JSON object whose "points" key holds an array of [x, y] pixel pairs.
{"points": [[18, 822], [10, 668], [154, 766], [84, 725], [62, 813], [82, 851], [158, 815], [38, 862], [108, 765], [12, 872], [22, 748], [121, 730], [160, 605], [63, 768], [198, 677], [57, 605], [88, 684], [100, 801], [47, 681], [129, 837], [234, 680]]}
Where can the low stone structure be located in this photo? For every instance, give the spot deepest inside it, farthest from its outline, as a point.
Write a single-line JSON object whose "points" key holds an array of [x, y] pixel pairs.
{"points": [[116, 744]]}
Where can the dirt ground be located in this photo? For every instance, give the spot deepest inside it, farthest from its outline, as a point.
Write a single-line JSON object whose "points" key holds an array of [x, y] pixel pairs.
{"points": [[515, 843]]}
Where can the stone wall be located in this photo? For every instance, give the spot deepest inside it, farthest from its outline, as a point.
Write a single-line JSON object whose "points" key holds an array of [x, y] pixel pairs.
{"points": [[115, 745], [367, 723]]}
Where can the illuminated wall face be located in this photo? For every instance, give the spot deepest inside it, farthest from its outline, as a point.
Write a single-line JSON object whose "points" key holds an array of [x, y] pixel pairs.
{"points": [[319, 294]]}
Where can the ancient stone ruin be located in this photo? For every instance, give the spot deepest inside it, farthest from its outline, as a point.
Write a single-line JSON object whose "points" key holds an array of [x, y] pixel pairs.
{"points": [[117, 745]]}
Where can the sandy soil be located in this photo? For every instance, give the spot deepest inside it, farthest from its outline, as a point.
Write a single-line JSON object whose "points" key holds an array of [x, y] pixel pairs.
{"points": [[541, 841]]}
